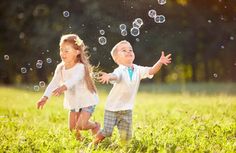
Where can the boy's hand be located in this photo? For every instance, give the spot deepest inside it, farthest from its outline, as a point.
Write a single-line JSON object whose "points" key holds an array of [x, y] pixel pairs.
{"points": [[59, 91], [165, 59], [104, 78], [41, 102]]}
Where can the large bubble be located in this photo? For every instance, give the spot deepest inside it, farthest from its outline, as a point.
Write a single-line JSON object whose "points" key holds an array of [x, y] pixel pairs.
{"points": [[134, 31], [102, 40]]}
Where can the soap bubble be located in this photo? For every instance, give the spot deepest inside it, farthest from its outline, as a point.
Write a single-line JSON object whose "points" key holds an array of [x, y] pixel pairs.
{"points": [[41, 84], [23, 70], [134, 31], [122, 27], [162, 2], [66, 14], [6, 57], [49, 60], [102, 40], [159, 19], [36, 88], [102, 32], [152, 13], [124, 32]]}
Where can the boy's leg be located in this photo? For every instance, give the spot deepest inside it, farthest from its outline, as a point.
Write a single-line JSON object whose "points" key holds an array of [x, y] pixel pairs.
{"points": [[125, 125], [110, 121]]}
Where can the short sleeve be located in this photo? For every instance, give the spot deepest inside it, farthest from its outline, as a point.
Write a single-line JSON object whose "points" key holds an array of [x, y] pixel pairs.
{"points": [[117, 73], [144, 72]]}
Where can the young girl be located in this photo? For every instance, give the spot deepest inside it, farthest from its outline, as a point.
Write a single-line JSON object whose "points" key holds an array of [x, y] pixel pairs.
{"points": [[72, 77]]}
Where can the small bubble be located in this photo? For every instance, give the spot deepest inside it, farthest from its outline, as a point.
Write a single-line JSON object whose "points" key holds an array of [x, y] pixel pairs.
{"points": [[215, 75], [39, 66], [139, 22], [6, 57], [23, 70], [22, 35], [134, 31], [109, 26], [40, 61], [94, 48], [123, 32], [235, 64], [122, 27], [36, 88], [102, 32], [159, 19], [48, 51], [152, 13], [222, 46], [231, 38], [102, 40], [66, 14], [162, 2], [41, 84], [49, 60], [31, 69], [209, 21], [137, 39]]}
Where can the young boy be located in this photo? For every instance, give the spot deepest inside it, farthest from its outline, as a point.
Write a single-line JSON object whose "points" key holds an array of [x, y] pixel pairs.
{"points": [[125, 80]]}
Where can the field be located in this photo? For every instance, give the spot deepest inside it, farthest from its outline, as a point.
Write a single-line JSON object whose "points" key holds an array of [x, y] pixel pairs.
{"points": [[166, 118]]}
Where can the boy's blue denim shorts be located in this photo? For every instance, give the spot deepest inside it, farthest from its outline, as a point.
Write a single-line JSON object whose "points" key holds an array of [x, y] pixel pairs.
{"points": [[89, 109]]}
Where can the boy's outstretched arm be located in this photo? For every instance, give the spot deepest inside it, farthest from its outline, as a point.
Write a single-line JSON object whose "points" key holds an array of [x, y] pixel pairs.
{"points": [[106, 77], [163, 60]]}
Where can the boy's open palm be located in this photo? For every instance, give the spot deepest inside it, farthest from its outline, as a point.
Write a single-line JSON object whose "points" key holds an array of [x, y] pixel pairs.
{"points": [[104, 78], [165, 59]]}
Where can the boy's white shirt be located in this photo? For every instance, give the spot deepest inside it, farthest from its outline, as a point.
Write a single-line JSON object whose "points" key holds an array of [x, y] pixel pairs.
{"points": [[122, 95], [77, 94]]}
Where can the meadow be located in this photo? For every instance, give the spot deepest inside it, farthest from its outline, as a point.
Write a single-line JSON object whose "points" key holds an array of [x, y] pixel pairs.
{"points": [[166, 118]]}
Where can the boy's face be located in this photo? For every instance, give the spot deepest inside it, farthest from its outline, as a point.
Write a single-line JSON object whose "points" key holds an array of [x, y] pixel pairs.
{"points": [[125, 54]]}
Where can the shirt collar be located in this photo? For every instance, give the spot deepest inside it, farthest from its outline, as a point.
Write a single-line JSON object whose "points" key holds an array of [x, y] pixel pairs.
{"points": [[125, 67]]}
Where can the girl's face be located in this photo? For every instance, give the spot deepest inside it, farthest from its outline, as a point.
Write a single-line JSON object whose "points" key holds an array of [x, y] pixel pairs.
{"points": [[68, 53], [125, 54]]}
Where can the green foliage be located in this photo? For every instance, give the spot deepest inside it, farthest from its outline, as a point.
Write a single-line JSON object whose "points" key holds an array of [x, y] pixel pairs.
{"points": [[165, 119]]}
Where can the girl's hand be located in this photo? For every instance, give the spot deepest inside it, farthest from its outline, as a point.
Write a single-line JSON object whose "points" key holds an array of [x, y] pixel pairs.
{"points": [[104, 78], [165, 59], [59, 91], [42, 102]]}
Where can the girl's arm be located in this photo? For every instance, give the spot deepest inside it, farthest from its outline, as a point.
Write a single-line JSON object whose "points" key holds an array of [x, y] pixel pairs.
{"points": [[163, 60]]}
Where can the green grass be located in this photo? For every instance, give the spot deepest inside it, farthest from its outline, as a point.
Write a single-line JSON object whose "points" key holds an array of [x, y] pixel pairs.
{"points": [[166, 118]]}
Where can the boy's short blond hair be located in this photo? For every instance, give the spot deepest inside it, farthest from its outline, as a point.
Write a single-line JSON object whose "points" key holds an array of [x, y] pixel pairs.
{"points": [[114, 49]]}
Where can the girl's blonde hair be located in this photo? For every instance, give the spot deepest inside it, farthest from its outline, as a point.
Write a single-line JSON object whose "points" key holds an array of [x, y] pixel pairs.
{"points": [[83, 57]]}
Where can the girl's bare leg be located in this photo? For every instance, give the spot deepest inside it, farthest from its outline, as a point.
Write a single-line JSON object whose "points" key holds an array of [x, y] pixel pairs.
{"points": [[73, 117]]}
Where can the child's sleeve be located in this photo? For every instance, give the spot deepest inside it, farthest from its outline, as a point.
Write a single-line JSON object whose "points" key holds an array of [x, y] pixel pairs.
{"points": [[77, 76], [144, 72], [116, 73], [55, 82]]}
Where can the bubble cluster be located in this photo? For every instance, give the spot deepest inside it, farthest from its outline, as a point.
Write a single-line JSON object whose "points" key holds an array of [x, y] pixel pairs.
{"points": [[135, 30], [157, 18], [160, 19], [66, 14], [39, 64], [102, 40], [123, 30], [6, 57]]}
